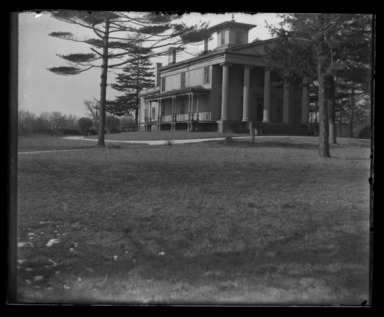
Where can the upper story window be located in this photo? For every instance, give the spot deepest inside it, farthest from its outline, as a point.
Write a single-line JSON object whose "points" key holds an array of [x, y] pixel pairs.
{"points": [[163, 84], [182, 84], [222, 37], [206, 74]]}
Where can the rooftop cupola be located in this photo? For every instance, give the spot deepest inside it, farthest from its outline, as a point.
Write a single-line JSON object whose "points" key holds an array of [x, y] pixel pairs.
{"points": [[231, 33]]}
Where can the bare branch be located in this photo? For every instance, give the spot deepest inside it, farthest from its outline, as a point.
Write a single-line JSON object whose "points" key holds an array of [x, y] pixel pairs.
{"points": [[100, 54]]}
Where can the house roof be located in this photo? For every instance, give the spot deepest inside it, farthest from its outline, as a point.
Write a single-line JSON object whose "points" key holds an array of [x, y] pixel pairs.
{"points": [[182, 91], [231, 24], [214, 53]]}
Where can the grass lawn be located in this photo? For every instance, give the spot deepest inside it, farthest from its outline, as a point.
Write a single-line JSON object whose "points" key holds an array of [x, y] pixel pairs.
{"points": [[34, 143], [215, 222]]}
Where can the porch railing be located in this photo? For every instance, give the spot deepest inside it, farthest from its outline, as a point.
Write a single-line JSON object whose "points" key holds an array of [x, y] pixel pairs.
{"points": [[199, 116], [182, 117]]}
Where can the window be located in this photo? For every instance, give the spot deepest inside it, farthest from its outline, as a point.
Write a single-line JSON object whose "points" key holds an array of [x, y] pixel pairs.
{"points": [[182, 85], [163, 84], [222, 37], [153, 113], [206, 74]]}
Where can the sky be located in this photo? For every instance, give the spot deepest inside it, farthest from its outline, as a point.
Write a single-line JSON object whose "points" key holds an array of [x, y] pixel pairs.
{"points": [[41, 90]]}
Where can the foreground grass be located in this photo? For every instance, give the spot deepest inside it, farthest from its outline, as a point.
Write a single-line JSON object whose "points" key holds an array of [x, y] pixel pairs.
{"points": [[221, 222]]}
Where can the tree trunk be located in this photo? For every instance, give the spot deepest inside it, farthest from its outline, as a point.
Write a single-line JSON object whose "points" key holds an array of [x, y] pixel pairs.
{"points": [[351, 114], [323, 109], [103, 86], [323, 120], [331, 108], [137, 119], [137, 96]]}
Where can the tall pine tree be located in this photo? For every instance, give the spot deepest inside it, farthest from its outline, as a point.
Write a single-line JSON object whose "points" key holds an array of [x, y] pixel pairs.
{"points": [[116, 34], [137, 75]]}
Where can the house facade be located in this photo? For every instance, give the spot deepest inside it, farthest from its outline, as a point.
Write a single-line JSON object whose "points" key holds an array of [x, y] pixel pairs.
{"points": [[227, 89]]}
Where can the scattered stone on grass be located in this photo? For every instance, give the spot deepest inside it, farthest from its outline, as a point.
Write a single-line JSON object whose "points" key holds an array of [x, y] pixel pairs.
{"points": [[52, 242], [24, 244]]}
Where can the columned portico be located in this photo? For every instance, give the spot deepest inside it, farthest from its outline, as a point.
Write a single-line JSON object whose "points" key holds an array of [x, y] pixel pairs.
{"points": [[246, 92], [286, 103], [305, 101], [267, 95]]}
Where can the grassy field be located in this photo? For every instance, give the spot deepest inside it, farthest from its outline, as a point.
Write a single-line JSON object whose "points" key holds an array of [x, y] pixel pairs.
{"points": [[219, 222]]}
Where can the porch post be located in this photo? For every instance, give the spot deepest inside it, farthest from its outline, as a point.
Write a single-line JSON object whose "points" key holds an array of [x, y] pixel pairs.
{"points": [[286, 103], [267, 95], [246, 92], [173, 113], [305, 101], [225, 92], [189, 113], [150, 111], [160, 118]]}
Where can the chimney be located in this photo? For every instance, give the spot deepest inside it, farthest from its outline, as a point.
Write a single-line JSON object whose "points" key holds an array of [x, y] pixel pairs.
{"points": [[157, 72], [171, 56]]}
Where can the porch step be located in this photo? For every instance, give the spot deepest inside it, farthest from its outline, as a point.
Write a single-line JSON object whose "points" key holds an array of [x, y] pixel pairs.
{"points": [[268, 128]]}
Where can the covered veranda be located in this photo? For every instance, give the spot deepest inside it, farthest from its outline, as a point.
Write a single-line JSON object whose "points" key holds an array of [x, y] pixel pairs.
{"points": [[183, 109]]}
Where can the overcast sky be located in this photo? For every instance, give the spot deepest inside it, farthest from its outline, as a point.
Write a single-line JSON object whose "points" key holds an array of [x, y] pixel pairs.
{"points": [[41, 90]]}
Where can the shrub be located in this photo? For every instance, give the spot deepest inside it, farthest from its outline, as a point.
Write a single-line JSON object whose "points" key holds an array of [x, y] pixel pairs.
{"points": [[84, 125], [112, 124], [70, 131], [365, 132]]}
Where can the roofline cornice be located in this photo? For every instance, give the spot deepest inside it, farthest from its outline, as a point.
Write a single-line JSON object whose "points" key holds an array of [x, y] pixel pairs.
{"points": [[214, 54]]}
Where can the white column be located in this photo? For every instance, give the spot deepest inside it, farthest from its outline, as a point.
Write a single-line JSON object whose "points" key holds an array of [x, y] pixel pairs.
{"points": [[267, 95], [305, 101], [286, 104], [225, 92], [246, 92]]}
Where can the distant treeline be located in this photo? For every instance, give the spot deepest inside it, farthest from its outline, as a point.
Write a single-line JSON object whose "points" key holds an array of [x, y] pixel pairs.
{"points": [[56, 123]]}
